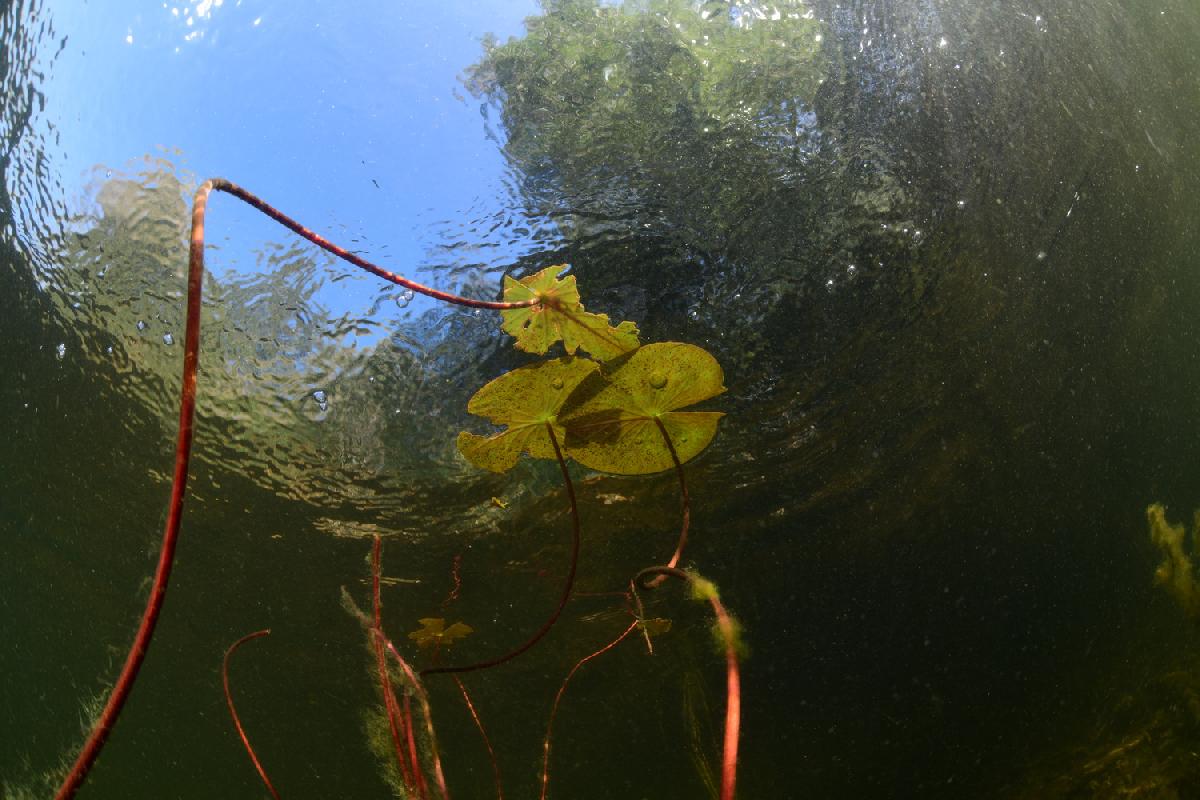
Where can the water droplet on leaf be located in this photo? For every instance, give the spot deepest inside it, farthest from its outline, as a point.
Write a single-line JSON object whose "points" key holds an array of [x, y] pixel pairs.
{"points": [[658, 380]]}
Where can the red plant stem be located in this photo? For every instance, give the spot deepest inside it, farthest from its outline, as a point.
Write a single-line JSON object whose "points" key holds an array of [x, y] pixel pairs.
{"points": [[414, 757], [396, 718], [223, 185], [455, 567], [166, 555], [558, 698], [183, 448], [419, 691], [566, 594], [237, 722], [486, 741], [733, 684], [685, 499]]}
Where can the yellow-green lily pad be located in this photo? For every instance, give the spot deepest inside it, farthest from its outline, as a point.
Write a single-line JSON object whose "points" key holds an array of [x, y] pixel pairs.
{"points": [[434, 633], [559, 315], [613, 424], [526, 399]]}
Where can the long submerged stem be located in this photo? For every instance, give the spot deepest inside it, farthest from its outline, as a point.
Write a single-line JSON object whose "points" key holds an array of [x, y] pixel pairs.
{"points": [[568, 584], [733, 683], [558, 699], [183, 447], [237, 722], [684, 498], [229, 187], [166, 555]]}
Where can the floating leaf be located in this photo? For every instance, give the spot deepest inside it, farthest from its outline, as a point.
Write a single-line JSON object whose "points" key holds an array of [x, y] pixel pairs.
{"points": [[559, 315], [613, 424], [526, 400], [434, 633]]}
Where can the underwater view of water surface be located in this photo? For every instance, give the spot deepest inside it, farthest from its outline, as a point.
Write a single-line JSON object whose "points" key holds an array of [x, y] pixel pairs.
{"points": [[910, 405]]}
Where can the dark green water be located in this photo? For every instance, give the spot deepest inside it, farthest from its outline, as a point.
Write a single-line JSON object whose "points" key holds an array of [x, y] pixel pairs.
{"points": [[954, 289]]}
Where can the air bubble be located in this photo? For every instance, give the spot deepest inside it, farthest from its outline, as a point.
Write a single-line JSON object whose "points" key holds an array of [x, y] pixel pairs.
{"points": [[141, 326], [60, 351], [404, 298], [168, 339]]}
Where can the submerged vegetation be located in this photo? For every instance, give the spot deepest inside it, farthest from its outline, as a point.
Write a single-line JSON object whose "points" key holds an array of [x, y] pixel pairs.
{"points": [[1177, 572], [610, 403]]}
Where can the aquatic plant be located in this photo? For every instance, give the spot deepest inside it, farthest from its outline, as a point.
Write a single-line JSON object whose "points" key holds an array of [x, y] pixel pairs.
{"points": [[1177, 572], [610, 403]]}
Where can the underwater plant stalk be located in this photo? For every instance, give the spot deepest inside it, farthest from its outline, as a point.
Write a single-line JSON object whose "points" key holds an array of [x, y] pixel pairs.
{"points": [[237, 722], [166, 554], [187, 406], [733, 685], [396, 718], [418, 690], [684, 499], [486, 741], [558, 698], [568, 584], [220, 184]]}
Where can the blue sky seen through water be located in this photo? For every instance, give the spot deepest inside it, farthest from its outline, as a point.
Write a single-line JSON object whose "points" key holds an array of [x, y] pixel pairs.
{"points": [[353, 120]]}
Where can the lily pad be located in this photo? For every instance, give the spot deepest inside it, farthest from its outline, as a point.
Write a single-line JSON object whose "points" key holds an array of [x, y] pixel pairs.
{"points": [[613, 424], [434, 633], [558, 315], [526, 399]]}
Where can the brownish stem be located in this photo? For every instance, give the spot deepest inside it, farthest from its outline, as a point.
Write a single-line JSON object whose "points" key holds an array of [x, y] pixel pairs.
{"points": [[733, 685], [237, 722], [486, 741], [558, 698], [684, 499], [566, 593]]}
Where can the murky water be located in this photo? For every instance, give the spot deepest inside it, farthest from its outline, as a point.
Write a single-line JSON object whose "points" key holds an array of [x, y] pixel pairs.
{"points": [[946, 253]]}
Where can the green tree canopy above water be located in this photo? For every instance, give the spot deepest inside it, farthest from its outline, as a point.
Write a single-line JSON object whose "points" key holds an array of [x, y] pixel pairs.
{"points": [[652, 103]]}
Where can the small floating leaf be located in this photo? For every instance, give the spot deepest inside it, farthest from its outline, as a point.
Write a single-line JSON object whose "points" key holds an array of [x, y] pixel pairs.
{"points": [[613, 424], [526, 400], [559, 315], [434, 633]]}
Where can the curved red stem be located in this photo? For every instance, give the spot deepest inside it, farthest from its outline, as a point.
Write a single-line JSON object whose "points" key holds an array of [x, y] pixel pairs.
{"points": [[229, 187], [566, 593], [237, 722], [684, 498], [166, 555], [397, 719], [733, 683], [558, 698], [486, 741]]}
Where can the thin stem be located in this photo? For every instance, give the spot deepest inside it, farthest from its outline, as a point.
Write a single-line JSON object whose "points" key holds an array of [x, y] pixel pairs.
{"points": [[166, 555], [733, 685], [228, 187], [566, 593], [237, 722], [486, 741], [558, 698], [397, 719], [685, 499], [418, 690]]}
